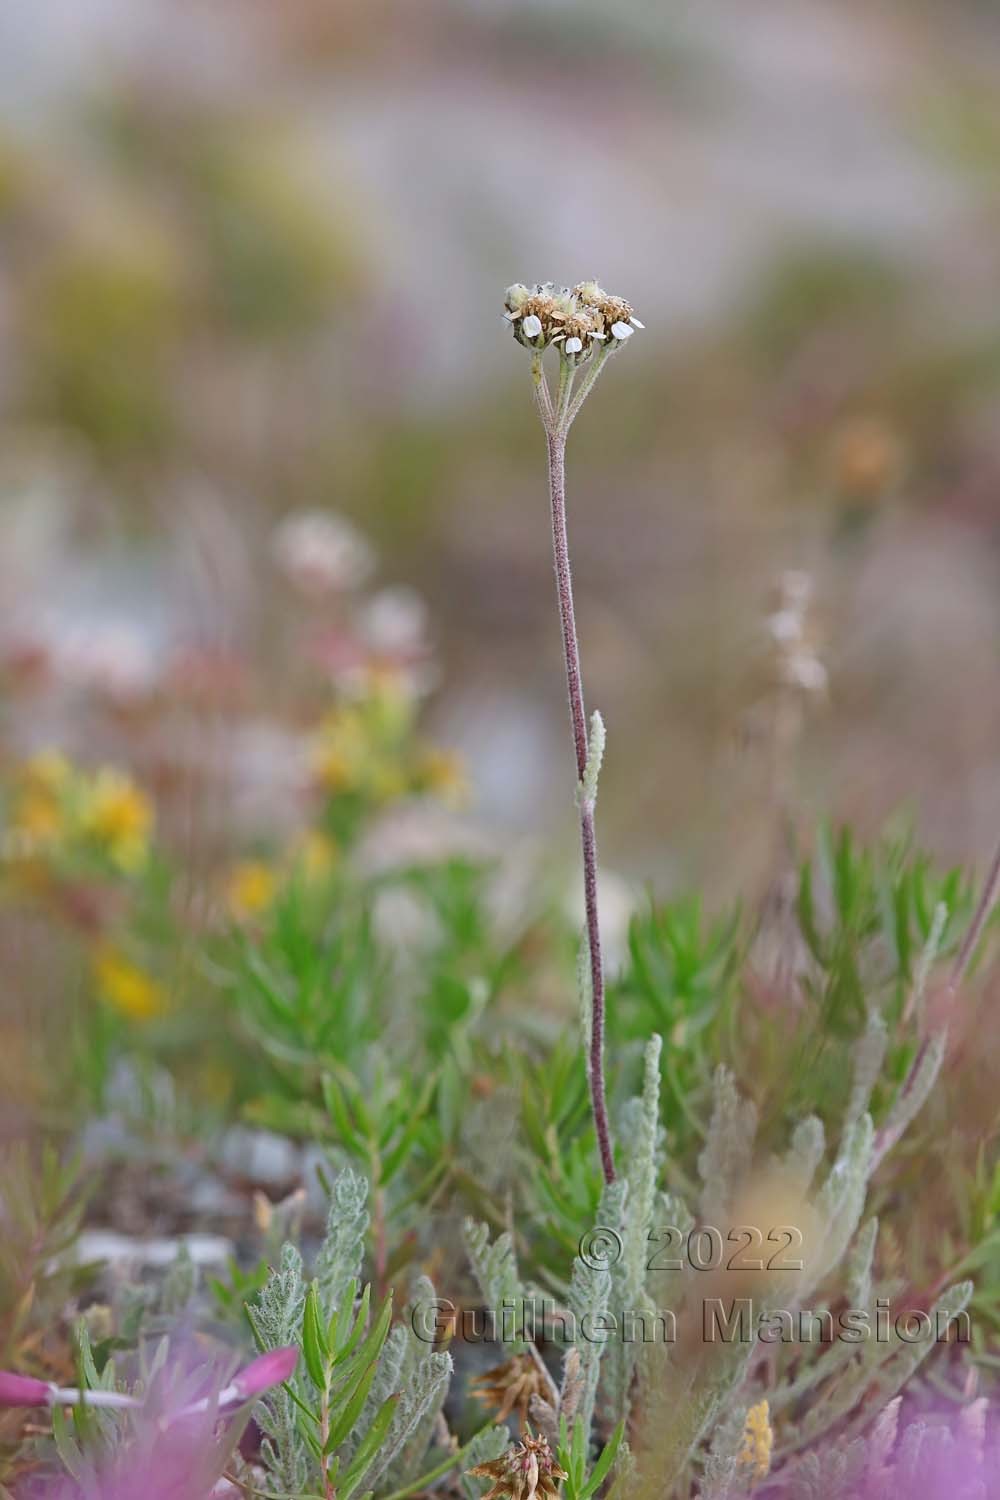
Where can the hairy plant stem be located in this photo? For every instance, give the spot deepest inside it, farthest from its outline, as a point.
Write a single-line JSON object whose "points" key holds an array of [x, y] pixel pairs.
{"points": [[556, 418]]}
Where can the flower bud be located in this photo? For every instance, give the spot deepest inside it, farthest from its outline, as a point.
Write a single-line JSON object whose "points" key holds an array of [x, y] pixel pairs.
{"points": [[271, 1369], [24, 1390]]}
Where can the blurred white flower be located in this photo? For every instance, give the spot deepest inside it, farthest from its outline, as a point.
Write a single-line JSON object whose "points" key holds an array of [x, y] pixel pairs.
{"points": [[321, 553], [394, 622], [785, 625], [799, 665], [114, 660], [803, 670]]}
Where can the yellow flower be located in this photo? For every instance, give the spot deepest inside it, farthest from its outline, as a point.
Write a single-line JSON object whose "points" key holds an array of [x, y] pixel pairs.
{"points": [[126, 988], [250, 890], [313, 856], [387, 781], [758, 1440], [340, 751], [118, 817], [442, 772], [387, 703], [39, 812]]}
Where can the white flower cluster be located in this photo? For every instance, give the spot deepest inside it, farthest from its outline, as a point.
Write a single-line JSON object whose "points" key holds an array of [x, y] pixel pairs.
{"points": [[574, 319]]}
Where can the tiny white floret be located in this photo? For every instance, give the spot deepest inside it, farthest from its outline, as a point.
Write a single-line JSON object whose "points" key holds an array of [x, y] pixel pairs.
{"points": [[808, 673], [635, 322], [532, 326], [622, 330], [573, 346], [785, 625]]}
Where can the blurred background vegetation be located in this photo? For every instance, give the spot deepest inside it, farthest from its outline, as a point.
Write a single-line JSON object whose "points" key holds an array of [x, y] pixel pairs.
{"points": [[250, 262]]}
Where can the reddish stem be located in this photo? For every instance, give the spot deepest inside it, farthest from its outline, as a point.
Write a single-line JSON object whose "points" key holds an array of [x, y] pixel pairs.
{"points": [[574, 682]]}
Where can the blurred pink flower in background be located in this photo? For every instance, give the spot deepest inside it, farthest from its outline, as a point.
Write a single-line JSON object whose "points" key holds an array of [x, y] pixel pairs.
{"points": [[179, 1440]]}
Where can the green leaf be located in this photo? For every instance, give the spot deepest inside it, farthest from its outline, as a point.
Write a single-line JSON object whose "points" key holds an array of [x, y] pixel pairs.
{"points": [[372, 1344], [602, 1468], [368, 1447], [341, 1321], [315, 1350], [348, 1414]]}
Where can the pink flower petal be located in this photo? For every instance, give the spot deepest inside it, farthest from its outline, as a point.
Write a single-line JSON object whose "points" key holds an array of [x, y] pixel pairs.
{"points": [[23, 1390], [261, 1374]]}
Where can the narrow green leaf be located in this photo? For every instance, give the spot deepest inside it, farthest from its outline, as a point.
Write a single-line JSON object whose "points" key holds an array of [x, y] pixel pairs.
{"points": [[341, 1317], [602, 1468], [315, 1350], [347, 1415], [372, 1343], [369, 1446]]}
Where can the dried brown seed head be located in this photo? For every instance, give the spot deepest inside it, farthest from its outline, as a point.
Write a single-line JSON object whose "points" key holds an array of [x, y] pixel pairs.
{"points": [[525, 1471], [510, 1387]]}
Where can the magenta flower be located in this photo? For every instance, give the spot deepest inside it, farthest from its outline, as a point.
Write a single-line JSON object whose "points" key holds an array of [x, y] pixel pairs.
{"points": [[162, 1458], [922, 1455], [23, 1390], [270, 1369], [178, 1438]]}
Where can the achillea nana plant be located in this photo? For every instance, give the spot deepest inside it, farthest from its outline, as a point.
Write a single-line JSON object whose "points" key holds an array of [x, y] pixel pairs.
{"points": [[585, 326]]}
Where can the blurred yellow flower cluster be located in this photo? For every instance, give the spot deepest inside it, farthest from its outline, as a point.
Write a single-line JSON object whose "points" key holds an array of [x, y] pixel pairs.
{"points": [[60, 811], [253, 885], [367, 747], [758, 1440], [125, 987]]}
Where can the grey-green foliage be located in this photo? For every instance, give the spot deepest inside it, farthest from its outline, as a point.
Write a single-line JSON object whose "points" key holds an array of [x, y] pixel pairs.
{"points": [[422, 1376], [725, 1161], [915, 1091], [641, 1135], [365, 1397], [830, 1365], [494, 1266], [342, 1251], [589, 1297], [721, 1477], [869, 1056], [859, 1265], [840, 1203], [596, 744], [276, 1320], [832, 1475], [874, 1370], [485, 1446], [805, 1153], [703, 1391]]}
